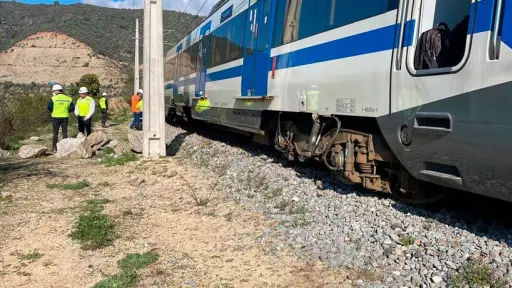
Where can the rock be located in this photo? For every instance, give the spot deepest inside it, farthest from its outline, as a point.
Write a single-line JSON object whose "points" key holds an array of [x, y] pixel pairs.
{"points": [[69, 147], [35, 138], [136, 181], [436, 279], [32, 151], [92, 143], [5, 153], [112, 144], [135, 139], [170, 174]]}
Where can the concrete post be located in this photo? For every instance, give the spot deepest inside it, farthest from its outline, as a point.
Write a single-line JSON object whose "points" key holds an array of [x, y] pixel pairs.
{"points": [[137, 62], [153, 81]]}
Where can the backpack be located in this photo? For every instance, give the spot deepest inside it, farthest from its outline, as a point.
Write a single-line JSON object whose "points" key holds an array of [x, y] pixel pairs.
{"points": [[433, 49]]}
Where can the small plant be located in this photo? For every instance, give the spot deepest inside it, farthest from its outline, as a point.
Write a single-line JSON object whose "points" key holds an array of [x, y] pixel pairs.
{"points": [[127, 213], [6, 198], [115, 160], [476, 275], [108, 150], [14, 144], [94, 229], [407, 240], [72, 186], [200, 200], [31, 257], [129, 265], [136, 261]]}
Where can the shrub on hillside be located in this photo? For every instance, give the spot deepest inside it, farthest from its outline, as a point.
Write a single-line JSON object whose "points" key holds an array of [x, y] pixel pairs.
{"points": [[6, 129], [29, 112]]}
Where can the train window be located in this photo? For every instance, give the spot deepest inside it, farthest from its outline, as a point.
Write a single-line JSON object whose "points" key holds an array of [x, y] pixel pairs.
{"points": [[309, 17], [227, 41], [453, 13]]}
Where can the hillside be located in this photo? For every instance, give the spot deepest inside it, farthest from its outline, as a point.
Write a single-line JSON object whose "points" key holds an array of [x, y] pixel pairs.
{"points": [[107, 31], [49, 56]]}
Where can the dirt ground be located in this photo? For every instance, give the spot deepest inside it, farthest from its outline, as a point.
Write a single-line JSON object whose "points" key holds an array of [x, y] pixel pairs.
{"points": [[216, 245]]}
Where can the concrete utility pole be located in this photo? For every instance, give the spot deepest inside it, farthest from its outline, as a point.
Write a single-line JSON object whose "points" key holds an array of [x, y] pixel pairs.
{"points": [[153, 123], [137, 63]]}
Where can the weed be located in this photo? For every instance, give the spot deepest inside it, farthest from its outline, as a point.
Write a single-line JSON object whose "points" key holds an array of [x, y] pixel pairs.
{"points": [[122, 279], [476, 275], [407, 240], [129, 265], [14, 144], [108, 150], [300, 221], [273, 193], [200, 200], [118, 160], [71, 186], [93, 229], [30, 257], [136, 261]]}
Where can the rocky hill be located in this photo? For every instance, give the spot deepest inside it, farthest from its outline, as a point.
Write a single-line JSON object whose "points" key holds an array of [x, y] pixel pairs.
{"points": [[107, 31], [50, 56]]}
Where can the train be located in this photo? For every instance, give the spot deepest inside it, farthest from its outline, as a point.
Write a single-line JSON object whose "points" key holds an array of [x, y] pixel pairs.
{"points": [[344, 82]]}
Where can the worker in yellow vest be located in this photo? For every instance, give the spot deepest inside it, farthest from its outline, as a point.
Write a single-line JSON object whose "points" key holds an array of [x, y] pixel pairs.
{"points": [[59, 106], [84, 109], [104, 109]]}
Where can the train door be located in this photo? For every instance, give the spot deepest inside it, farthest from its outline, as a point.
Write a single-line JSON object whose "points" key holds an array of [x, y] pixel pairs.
{"points": [[202, 59], [258, 37], [434, 113]]}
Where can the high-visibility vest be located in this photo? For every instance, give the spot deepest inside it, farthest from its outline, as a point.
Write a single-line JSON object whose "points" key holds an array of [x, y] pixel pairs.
{"points": [[135, 101], [202, 104], [103, 103], [84, 106], [140, 105], [61, 105]]}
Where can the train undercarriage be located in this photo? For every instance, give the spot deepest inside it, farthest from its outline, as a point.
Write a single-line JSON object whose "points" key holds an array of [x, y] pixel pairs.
{"points": [[355, 155]]}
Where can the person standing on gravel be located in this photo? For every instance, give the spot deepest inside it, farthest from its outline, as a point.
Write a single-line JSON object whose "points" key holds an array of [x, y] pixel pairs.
{"points": [[84, 109], [137, 113], [104, 109], [59, 106]]}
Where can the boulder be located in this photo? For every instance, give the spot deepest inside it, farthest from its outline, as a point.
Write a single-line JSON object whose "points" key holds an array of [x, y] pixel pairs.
{"points": [[5, 153], [35, 138], [69, 148], [135, 139], [93, 143], [32, 151], [112, 144]]}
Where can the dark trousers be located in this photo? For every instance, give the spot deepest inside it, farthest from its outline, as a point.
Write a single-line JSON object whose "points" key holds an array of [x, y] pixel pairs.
{"points": [[104, 116], [85, 125], [136, 119], [57, 123]]}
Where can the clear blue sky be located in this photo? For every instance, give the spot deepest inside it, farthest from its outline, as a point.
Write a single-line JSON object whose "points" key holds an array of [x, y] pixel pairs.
{"points": [[177, 5]]}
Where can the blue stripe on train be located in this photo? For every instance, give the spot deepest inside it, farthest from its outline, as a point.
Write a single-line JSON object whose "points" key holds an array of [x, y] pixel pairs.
{"points": [[378, 40]]}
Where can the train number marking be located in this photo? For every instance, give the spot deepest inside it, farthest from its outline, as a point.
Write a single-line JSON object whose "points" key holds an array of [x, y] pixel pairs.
{"points": [[346, 105], [369, 109]]}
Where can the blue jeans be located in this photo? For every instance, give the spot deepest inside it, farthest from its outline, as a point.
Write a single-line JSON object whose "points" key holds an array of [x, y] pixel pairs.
{"points": [[136, 119]]}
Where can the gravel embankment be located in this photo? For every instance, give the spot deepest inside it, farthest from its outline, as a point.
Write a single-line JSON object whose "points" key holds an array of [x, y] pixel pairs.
{"points": [[402, 245]]}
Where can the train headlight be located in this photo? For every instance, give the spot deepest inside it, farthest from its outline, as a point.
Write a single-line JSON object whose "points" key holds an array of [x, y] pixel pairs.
{"points": [[405, 135]]}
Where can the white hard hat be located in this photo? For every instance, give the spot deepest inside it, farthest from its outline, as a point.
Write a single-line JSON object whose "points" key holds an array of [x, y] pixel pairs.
{"points": [[56, 87], [140, 91], [83, 90], [104, 94]]}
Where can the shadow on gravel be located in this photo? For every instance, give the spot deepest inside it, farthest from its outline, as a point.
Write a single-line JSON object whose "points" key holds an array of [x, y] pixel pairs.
{"points": [[11, 170], [482, 216], [175, 145]]}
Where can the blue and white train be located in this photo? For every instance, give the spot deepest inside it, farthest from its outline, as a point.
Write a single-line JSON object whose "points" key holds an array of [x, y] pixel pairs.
{"points": [[336, 81]]}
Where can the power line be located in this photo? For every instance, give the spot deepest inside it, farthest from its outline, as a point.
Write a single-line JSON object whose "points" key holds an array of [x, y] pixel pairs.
{"points": [[202, 6]]}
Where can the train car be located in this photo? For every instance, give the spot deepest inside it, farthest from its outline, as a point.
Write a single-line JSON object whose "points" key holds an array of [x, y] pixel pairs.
{"points": [[348, 83]]}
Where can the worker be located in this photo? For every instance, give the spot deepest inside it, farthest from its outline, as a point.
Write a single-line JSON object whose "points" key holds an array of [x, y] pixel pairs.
{"points": [[60, 105], [84, 109], [104, 109], [137, 113], [140, 107]]}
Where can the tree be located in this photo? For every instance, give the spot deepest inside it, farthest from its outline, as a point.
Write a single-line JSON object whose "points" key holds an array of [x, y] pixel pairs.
{"points": [[90, 81]]}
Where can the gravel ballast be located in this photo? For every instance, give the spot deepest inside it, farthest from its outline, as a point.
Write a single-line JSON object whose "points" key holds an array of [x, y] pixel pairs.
{"points": [[323, 220]]}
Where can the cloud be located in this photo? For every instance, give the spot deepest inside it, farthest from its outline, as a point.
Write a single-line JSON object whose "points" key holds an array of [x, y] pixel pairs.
{"points": [[176, 5]]}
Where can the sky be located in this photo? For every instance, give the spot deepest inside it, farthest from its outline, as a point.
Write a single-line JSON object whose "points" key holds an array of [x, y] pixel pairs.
{"points": [[176, 5]]}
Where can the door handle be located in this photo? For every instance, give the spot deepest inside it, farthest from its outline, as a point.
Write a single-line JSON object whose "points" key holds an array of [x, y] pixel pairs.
{"points": [[403, 15], [495, 50]]}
